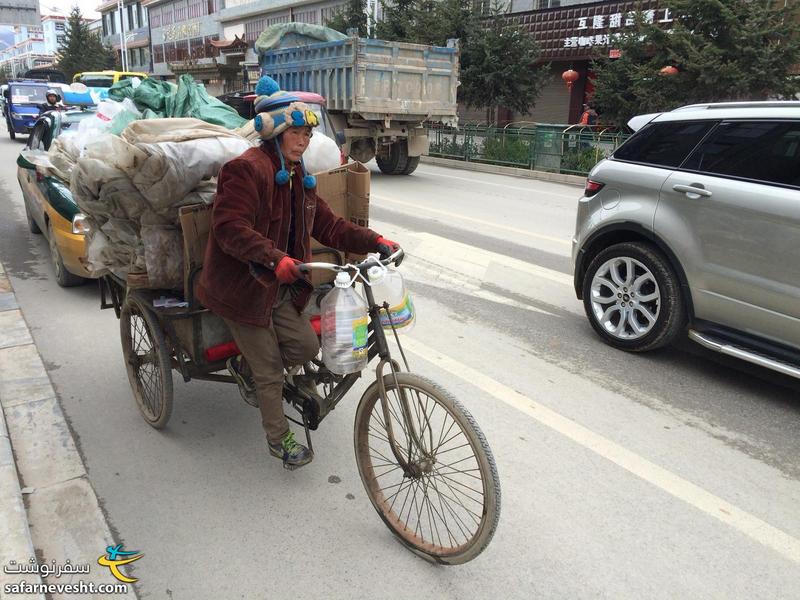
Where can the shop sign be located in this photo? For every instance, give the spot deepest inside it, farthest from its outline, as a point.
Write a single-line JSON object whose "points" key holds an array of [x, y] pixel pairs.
{"points": [[589, 26], [173, 33]]}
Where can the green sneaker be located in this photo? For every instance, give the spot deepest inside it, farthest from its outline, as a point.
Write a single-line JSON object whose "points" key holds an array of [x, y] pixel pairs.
{"points": [[294, 455]]}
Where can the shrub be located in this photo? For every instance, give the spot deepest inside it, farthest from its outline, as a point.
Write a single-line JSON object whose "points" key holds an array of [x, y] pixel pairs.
{"points": [[507, 150]]}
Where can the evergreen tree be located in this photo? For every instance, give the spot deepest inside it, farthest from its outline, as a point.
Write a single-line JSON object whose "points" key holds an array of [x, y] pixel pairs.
{"points": [[498, 67], [354, 16], [723, 50], [82, 50]]}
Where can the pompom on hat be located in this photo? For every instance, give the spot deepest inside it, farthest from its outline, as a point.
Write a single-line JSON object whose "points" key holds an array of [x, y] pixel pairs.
{"points": [[276, 111]]}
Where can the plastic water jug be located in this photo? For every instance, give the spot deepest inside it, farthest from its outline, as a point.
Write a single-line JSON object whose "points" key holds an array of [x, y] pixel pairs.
{"points": [[388, 286], [344, 328]]}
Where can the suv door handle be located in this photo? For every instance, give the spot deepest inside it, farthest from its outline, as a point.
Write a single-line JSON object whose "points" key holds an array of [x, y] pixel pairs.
{"points": [[692, 191]]}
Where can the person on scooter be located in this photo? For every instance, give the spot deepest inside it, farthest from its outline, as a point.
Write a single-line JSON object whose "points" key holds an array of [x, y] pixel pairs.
{"points": [[53, 102], [265, 213]]}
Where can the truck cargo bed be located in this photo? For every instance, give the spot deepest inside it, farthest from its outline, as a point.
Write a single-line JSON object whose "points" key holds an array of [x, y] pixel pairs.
{"points": [[375, 79]]}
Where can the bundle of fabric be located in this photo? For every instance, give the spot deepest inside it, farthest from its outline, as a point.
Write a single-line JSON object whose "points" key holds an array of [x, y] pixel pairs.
{"points": [[131, 187]]}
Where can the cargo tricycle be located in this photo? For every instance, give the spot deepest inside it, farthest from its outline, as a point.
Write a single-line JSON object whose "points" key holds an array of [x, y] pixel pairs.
{"points": [[425, 464]]}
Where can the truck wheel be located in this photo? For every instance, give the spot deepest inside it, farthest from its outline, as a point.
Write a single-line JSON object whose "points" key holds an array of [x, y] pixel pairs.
{"points": [[397, 160], [411, 165]]}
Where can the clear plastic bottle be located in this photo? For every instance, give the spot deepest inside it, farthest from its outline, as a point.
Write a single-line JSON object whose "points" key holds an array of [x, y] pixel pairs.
{"points": [[344, 328], [388, 286]]}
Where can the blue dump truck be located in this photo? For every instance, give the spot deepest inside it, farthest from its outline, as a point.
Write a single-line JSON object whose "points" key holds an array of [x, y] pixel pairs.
{"points": [[21, 106], [379, 94]]}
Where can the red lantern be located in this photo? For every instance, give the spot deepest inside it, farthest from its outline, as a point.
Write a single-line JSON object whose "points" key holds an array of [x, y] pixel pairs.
{"points": [[669, 71], [570, 77]]}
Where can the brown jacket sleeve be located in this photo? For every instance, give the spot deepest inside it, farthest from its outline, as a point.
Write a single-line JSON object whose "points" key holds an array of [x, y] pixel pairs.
{"points": [[336, 232], [234, 215]]}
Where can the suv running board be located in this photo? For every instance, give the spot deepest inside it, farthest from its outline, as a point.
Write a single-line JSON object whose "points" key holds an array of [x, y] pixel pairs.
{"points": [[723, 346]]}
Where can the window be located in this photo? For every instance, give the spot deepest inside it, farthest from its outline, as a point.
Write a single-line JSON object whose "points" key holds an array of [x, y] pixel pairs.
{"points": [[139, 15], [252, 29], [59, 26], [212, 6], [112, 21], [197, 8], [182, 50], [762, 151], [105, 25], [197, 47], [179, 11], [60, 40], [166, 14], [330, 12], [169, 52], [131, 24], [158, 53], [306, 16], [155, 16], [664, 144]]}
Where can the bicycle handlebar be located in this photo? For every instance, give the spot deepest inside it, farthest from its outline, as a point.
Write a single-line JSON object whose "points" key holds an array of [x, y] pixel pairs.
{"points": [[395, 258], [257, 269]]}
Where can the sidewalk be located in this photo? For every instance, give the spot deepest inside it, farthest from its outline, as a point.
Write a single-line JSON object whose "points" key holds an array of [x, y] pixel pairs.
{"points": [[48, 508]]}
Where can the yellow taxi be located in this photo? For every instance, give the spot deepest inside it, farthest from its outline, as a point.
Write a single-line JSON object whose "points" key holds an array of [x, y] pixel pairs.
{"points": [[49, 206], [104, 79]]}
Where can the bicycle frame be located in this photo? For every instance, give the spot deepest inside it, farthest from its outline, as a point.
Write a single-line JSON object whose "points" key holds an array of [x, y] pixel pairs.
{"points": [[378, 346]]}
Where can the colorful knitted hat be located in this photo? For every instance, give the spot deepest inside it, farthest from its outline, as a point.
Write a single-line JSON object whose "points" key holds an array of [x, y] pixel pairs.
{"points": [[276, 111]]}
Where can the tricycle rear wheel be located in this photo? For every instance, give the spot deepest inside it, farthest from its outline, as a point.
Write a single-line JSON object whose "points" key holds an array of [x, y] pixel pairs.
{"points": [[147, 360]]}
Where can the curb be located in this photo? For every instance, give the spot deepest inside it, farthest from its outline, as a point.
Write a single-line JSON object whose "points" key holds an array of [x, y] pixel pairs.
{"points": [[49, 511], [576, 180]]}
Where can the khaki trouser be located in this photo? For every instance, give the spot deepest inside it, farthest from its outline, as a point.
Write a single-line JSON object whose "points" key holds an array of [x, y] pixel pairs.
{"points": [[288, 341]]}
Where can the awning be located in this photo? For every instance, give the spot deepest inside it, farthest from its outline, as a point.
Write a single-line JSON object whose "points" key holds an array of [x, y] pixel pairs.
{"points": [[235, 45]]}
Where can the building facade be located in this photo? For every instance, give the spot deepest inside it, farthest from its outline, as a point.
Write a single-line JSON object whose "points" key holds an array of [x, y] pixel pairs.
{"points": [[27, 52], [570, 33], [54, 29], [133, 22], [185, 37]]}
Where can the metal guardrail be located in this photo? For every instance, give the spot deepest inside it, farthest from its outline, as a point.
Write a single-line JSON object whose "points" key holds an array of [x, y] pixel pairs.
{"points": [[570, 149]]}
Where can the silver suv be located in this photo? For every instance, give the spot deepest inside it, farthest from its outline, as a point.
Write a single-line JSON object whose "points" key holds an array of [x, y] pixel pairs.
{"points": [[694, 223]]}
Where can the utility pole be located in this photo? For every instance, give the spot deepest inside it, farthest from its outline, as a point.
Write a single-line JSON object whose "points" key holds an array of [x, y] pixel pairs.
{"points": [[123, 44]]}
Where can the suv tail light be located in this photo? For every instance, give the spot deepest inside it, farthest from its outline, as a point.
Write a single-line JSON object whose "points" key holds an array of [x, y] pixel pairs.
{"points": [[592, 187]]}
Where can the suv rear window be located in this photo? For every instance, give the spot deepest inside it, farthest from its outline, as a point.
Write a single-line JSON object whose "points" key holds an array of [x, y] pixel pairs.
{"points": [[664, 144], [763, 151]]}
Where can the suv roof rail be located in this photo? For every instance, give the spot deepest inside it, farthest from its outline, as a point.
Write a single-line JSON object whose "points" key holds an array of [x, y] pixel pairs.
{"points": [[750, 104]]}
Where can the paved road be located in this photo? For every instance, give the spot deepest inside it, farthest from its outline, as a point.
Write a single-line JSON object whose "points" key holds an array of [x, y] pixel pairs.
{"points": [[661, 476]]}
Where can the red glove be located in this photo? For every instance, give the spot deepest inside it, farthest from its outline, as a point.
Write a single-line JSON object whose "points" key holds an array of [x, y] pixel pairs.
{"points": [[385, 248], [286, 271]]}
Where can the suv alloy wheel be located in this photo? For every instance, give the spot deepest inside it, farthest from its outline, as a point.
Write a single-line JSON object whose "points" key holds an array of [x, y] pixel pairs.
{"points": [[633, 298]]}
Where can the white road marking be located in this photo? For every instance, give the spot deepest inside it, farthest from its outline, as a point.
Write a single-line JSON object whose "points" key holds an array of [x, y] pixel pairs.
{"points": [[482, 222], [505, 185], [714, 506], [474, 261]]}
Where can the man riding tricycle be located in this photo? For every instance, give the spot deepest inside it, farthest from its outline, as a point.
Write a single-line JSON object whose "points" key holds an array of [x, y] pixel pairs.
{"points": [[425, 464]]}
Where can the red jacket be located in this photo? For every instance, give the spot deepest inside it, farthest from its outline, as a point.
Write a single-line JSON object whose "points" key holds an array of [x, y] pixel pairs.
{"points": [[250, 222]]}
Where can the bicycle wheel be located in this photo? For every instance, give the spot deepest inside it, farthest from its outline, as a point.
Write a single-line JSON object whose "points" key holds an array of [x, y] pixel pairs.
{"points": [[147, 361], [446, 504]]}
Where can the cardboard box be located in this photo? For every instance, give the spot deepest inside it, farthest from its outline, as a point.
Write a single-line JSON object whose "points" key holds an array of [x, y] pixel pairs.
{"points": [[346, 190], [196, 223]]}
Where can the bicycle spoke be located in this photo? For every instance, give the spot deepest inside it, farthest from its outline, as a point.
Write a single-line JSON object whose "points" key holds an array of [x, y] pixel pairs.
{"points": [[458, 483], [476, 517], [440, 452], [458, 520]]}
